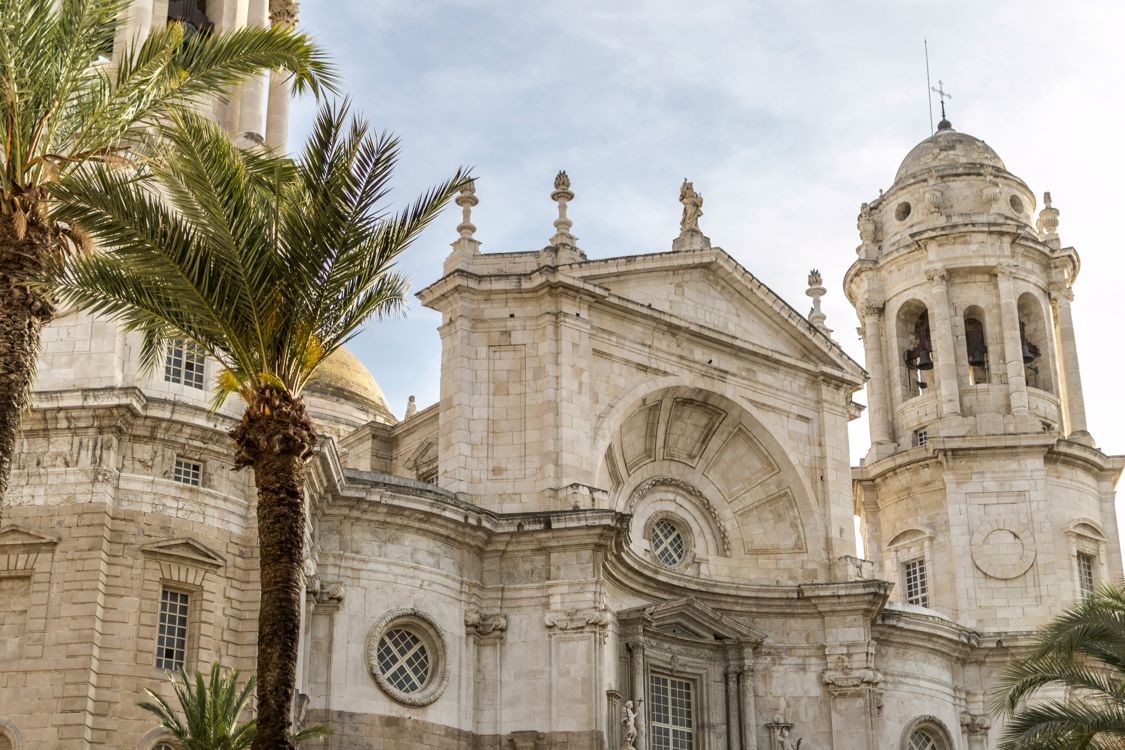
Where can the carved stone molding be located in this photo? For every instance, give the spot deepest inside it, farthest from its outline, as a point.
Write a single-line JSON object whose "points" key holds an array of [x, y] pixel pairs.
{"points": [[485, 623], [573, 619], [976, 723], [690, 490], [284, 13], [842, 675]]}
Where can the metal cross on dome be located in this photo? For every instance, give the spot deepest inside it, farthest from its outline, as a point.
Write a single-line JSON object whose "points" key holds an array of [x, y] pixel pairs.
{"points": [[942, 96]]}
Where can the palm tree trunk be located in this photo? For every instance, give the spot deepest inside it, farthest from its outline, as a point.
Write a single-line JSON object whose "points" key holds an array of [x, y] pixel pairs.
{"points": [[275, 438], [23, 313]]}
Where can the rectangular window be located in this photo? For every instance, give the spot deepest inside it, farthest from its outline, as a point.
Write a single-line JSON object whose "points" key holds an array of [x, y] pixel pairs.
{"points": [[921, 437], [184, 363], [671, 713], [917, 589], [171, 636], [1085, 574], [188, 472]]}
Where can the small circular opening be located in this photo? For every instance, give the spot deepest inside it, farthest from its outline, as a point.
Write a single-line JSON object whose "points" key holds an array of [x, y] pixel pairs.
{"points": [[1016, 204], [902, 211]]}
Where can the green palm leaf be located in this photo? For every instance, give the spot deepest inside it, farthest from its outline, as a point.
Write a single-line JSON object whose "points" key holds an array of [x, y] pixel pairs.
{"points": [[269, 265], [1082, 651]]}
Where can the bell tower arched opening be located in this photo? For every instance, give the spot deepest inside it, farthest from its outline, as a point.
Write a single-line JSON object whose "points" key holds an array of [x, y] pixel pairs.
{"points": [[917, 350]]}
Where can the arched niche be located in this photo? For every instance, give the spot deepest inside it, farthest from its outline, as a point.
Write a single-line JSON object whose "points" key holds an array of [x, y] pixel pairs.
{"points": [[977, 358], [702, 462], [915, 349], [1034, 344]]}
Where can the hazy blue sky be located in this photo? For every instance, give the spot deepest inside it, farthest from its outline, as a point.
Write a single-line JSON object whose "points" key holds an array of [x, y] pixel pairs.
{"points": [[786, 115]]}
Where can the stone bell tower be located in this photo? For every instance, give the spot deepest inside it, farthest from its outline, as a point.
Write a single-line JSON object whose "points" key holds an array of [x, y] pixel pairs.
{"points": [[983, 496]]}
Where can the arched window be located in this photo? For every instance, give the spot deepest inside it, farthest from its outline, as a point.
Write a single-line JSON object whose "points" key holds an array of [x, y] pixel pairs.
{"points": [[920, 739], [976, 346], [926, 733], [1033, 343], [913, 329]]}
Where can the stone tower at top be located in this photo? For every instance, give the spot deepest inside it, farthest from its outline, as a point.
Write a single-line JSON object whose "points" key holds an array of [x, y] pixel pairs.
{"points": [[982, 495], [965, 302]]}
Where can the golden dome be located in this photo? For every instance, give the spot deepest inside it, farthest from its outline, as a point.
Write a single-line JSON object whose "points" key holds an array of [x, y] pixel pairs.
{"points": [[342, 376]]}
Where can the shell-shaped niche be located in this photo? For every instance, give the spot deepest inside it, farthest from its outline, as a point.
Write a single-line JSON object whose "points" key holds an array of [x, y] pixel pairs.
{"points": [[712, 493]]}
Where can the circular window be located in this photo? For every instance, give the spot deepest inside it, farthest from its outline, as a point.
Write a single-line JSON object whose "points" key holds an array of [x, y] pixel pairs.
{"points": [[406, 656], [921, 740], [902, 211], [1016, 204], [668, 543]]}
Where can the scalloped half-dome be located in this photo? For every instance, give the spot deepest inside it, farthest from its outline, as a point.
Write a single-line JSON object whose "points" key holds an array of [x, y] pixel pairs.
{"points": [[947, 147]]}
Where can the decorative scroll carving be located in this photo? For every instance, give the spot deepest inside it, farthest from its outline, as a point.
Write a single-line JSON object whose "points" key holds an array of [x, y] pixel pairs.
{"points": [[485, 623], [573, 619]]}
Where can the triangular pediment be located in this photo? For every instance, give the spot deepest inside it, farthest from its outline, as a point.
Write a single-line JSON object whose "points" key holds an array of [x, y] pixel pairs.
{"points": [[709, 290], [187, 550], [690, 618], [425, 454], [14, 535]]}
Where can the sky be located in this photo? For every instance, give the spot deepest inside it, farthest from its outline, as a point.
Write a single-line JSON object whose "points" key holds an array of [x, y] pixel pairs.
{"points": [[786, 116]]}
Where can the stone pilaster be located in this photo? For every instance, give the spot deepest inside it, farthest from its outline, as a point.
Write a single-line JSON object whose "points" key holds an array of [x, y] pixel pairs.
{"points": [[1071, 387], [282, 13], [941, 333], [878, 406], [1013, 353]]}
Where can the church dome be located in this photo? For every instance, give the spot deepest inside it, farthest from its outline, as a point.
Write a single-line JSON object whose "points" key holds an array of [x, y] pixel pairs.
{"points": [[342, 377], [945, 148]]}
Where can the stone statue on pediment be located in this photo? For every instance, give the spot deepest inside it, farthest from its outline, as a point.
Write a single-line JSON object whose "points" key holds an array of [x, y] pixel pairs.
{"points": [[693, 207]]}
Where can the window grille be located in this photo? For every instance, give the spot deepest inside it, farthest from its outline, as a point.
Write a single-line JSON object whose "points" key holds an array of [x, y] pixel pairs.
{"points": [[921, 437], [917, 588], [171, 637], [404, 660], [920, 740], [183, 364], [667, 543], [188, 472], [671, 713], [1085, 573]]}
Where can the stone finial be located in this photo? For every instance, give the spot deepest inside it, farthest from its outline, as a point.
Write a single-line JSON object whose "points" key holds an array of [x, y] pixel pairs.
{"points": [[691, 237], [411, 407], [562, 195], [466, 247], [1048, 222], [466, 199], [816, 290]]}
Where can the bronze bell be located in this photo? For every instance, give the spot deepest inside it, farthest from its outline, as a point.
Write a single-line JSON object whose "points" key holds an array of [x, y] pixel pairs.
{"points": [[924, 361], [978, 357]]}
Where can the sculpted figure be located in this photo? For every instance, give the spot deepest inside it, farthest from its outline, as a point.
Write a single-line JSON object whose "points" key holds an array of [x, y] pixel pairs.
{"points": [[785, 742], [693, 207], [630, 724]]}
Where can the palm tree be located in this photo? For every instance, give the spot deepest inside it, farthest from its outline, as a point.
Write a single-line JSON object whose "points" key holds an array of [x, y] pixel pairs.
{"points": [[1082, 653], [269, 266], [62, 107], [211, 710]]}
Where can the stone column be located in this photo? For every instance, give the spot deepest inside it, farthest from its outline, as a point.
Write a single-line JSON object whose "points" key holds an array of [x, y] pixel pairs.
{"points": [[253, 93], [733, 728], [282, 13], [746, 694], [1067, 353], [1013, 353], [637, 668], [941, 335], [879, 407]]}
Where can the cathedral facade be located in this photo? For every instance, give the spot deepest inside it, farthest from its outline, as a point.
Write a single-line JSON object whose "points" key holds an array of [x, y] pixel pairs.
{"points": [[630, 519]]}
